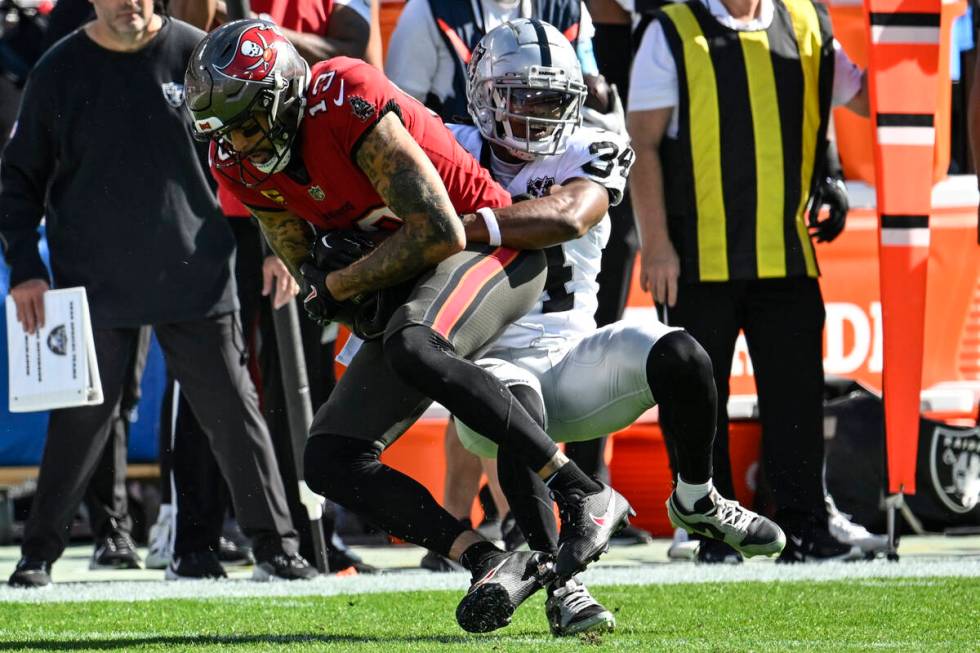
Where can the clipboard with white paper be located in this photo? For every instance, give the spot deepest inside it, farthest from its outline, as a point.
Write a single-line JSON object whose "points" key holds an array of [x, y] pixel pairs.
{"points": [[56, 366]]}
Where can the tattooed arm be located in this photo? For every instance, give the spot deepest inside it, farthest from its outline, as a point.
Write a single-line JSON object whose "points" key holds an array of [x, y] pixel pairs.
{"points": [[291, 238], [408, 183]]}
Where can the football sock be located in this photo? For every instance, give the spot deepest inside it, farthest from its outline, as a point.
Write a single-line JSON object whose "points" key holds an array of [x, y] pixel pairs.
{"points": [[530, 502], [349, 472], [428, 362], [569, 479], [689, 493], [476, 554], [680, 376], [528, 496]]}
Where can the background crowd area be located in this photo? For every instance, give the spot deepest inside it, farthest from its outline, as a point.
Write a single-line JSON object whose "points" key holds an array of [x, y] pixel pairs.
{"points": [[122, 506]]}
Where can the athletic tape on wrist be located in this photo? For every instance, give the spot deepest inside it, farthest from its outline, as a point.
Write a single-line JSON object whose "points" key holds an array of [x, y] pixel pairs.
{"points": [[493, 229]]}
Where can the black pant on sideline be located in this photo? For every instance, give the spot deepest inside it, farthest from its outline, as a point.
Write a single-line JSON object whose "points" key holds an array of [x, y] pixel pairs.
{"points": [[199, 521], [207, 357], [108, 507], [783, 323]]}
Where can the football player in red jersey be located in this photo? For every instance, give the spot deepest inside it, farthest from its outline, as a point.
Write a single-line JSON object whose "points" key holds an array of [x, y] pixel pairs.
{"points": [[340, 148]]}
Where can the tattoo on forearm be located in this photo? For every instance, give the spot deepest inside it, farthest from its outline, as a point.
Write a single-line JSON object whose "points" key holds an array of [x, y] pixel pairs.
{"points": [[415, 195], [289, 237]]}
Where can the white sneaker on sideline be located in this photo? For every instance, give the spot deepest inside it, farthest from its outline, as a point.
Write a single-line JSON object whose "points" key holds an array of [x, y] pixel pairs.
{"points": [[161, 539], [682, 547], [848, 532]]}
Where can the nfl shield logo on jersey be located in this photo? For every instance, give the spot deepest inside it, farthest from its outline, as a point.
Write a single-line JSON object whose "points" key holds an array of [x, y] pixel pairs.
{"points": [[317, 193], [173, 93], [954, 466]]}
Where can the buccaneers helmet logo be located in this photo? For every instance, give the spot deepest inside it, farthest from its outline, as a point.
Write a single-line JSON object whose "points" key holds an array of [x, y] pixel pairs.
{"points": [[255, 54]]}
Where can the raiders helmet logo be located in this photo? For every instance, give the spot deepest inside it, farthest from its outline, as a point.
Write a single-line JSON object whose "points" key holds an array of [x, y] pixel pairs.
{"points": [[255, 54], [58, 340], [361, 107], [538, 187], [173, 93], [954, 467]]}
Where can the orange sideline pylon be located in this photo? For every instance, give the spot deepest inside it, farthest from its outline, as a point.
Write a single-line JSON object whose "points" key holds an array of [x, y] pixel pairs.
{"points": [[903, 57]]}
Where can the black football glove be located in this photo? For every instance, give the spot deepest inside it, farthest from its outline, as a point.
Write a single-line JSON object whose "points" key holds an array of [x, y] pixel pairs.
{"points": [[337, 249], [320, 305], [830, 192]]}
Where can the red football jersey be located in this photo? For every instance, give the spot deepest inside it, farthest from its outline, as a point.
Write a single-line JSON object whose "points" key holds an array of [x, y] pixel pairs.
{"points": [[345, 98]]}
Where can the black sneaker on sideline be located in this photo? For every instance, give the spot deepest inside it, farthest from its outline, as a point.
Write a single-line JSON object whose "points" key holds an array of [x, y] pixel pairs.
{"points": [[31, 573], [810, 541], [588, 521], [439, 564], [499, 586], [342, 559], [715, 552], [284, 567], [571, 609], [231, 553], [195, 566], [115, 551]]}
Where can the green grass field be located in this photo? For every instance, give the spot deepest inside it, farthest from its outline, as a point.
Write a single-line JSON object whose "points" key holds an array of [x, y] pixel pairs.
{"points": [[929, 614]]}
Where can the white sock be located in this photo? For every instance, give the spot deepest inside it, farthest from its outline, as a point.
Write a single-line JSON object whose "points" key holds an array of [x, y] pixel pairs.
{"points": [[689, 493]]}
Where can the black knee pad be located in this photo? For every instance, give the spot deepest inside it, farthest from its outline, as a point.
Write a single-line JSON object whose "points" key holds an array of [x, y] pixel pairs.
{"points": [[332, 465], [530, 400], [678, 359]]}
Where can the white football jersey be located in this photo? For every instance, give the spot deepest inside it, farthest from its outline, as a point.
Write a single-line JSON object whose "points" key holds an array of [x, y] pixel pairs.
{"points": [[567, 306]]}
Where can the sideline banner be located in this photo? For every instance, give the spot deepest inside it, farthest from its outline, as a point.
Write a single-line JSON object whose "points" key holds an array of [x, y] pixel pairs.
{"points": [[55, 367]]}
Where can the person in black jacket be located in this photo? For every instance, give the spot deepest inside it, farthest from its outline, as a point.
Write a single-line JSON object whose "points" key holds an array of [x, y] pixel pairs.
{"points": [[103, 150]]}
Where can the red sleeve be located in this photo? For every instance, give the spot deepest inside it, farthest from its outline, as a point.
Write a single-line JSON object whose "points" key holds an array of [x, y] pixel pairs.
{"points": [[349, 97]]}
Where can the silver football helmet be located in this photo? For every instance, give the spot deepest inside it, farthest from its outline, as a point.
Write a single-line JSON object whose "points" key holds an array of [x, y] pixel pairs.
{"points": [[524, 88]]}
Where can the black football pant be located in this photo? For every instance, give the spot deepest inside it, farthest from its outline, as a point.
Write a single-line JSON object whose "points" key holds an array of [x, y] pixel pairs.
{"points": [[207, 357], [448, 316], [783, 322]]}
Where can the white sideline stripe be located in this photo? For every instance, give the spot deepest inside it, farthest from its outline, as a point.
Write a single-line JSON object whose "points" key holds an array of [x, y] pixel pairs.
{"points": [[905, 237], [906, 135], [895, 34], [660, 574]]}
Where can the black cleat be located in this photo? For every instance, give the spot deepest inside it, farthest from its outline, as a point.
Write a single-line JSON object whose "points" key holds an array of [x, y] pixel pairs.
{"points": [[571, 609], [31, 573], [721, 519], [588, 521], [284, 567], [499, 586], [115, 551], [809, 541], [195, 566]]}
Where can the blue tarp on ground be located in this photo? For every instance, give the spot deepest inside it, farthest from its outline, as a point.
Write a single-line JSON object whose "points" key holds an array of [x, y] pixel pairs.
{"points": [[22, 434]]}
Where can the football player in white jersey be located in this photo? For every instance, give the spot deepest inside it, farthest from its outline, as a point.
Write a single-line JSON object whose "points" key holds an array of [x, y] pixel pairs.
{"points": [[525, 95]]}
